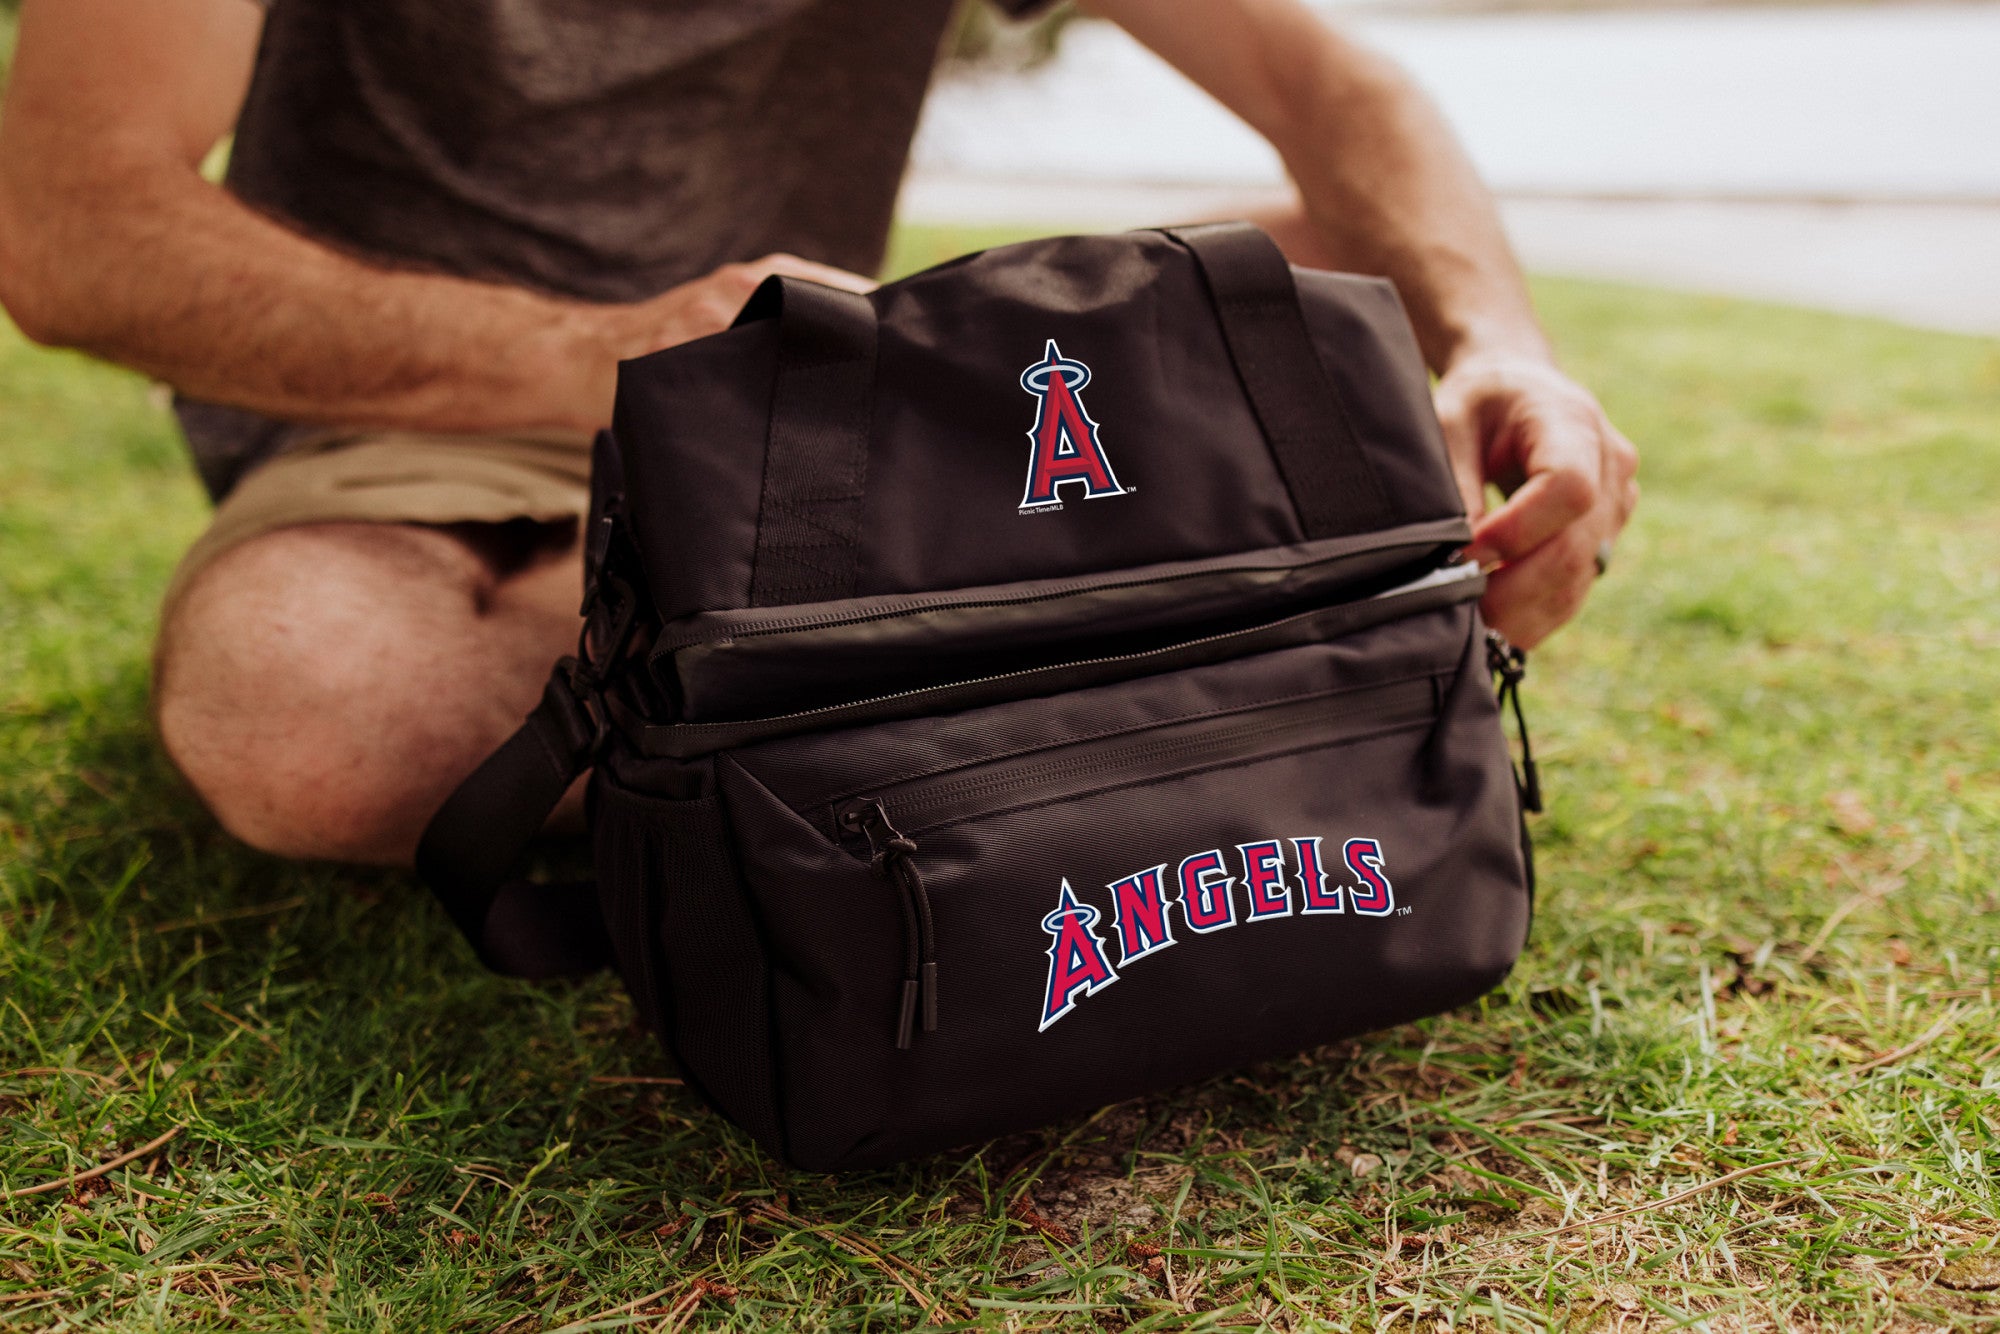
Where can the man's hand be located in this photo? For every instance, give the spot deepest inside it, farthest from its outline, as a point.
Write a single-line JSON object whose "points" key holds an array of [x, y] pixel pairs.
{"points": [[710, 303], [1519, 424]]}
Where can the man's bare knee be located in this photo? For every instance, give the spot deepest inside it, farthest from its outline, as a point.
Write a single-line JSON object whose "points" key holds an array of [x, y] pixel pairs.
{"points": [[292, 684]]}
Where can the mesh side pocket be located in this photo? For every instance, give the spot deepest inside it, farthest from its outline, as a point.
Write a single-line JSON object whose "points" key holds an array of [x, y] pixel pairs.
{"points": [[689, 948]]}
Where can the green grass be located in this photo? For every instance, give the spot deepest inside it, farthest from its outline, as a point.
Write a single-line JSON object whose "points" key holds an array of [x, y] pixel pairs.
{"points": [[1767, 939]]}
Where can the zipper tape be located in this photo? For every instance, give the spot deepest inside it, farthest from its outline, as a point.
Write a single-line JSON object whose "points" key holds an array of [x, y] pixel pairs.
{"points": [[688, 740], [1167, 751], [707, 627]]}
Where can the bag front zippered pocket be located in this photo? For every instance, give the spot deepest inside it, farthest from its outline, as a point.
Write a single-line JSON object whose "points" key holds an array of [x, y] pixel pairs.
{"points": [[1325, 835], [889, 820], [929, 887]]}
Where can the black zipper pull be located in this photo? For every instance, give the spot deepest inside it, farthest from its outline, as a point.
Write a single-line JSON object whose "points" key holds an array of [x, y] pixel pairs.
{"points": [[1510, 664], [891, 859]]}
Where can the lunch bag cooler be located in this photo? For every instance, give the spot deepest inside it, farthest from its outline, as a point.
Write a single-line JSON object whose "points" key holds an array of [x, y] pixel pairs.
{"points": [[1043, 681]]}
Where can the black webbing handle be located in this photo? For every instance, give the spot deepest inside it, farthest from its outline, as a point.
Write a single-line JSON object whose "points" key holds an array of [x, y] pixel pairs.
{"points": [[471, 852], [1332, 483], [816, 455]]}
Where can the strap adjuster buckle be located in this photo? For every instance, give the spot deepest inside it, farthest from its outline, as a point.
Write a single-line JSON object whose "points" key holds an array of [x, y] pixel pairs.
{"points": [[575, 699]]}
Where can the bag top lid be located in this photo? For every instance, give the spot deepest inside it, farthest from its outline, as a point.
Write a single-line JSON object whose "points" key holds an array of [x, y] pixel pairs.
{"points": [[1053, 408]]}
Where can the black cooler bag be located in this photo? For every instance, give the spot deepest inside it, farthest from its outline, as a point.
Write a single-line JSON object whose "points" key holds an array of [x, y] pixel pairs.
{"points": [[1038, 683]]}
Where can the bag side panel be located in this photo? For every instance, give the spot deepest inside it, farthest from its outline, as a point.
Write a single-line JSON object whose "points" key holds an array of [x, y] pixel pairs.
{"points": [[1364, 340], [692, 423], [689, 947], [836, 935]]}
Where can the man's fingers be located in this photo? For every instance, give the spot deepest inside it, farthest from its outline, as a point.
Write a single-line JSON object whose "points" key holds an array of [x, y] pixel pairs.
{"points": [[1528, 599], [1571, 478], [1621, 466], [1463, 448], [732, 284], [794, 267], [1546, 504], [709, 304]]}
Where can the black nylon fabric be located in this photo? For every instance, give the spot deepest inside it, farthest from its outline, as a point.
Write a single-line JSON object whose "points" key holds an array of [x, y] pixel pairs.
{"points": [[474, 844], [816, 452], [728, 668], [1130, 782], [1257, 989], [949, 440], [1305, 421], [711, 1007]]}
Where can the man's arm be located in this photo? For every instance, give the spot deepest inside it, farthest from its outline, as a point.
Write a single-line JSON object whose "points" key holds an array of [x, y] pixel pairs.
{"points": [[110, 241], [1387, 190]]}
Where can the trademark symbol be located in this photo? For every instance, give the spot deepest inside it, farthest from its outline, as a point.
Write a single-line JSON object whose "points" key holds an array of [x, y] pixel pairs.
{"points": [[1404, 912]]}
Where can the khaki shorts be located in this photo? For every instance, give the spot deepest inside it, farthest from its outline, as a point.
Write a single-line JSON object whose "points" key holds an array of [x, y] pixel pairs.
{"points": [[398, 477]]}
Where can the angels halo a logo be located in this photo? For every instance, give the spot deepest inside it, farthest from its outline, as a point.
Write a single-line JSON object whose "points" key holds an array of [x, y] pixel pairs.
{"points": [[1066, 449]]}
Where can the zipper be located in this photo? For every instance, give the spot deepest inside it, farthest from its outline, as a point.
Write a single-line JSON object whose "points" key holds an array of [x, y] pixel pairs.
{"points": [[1447, 587], [1069, 772], [1433, 548], [892, 860], [1510, 664], [1207, 743]]}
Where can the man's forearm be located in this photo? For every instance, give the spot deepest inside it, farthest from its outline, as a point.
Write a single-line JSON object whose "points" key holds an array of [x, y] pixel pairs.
{"points": [[111, 241], [166, 273], [1386, 189]]}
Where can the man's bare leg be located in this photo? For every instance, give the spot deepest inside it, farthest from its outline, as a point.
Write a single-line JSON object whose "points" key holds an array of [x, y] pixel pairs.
{"points": [[325, 687]]}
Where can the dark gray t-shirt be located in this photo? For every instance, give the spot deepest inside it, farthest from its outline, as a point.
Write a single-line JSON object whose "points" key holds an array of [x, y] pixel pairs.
{"points": [[599, 149]]}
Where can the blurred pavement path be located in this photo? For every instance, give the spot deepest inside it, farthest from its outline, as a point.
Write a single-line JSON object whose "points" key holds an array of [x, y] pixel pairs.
{"points": [[1841, 157]]}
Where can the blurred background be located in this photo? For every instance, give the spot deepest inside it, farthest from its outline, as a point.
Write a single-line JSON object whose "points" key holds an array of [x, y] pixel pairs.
{"points": [[1843, 156]]}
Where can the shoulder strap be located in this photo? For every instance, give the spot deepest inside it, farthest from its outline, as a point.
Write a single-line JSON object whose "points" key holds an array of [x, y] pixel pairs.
{"points": [[1333, 485], [472, 850], [816, 454]]}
